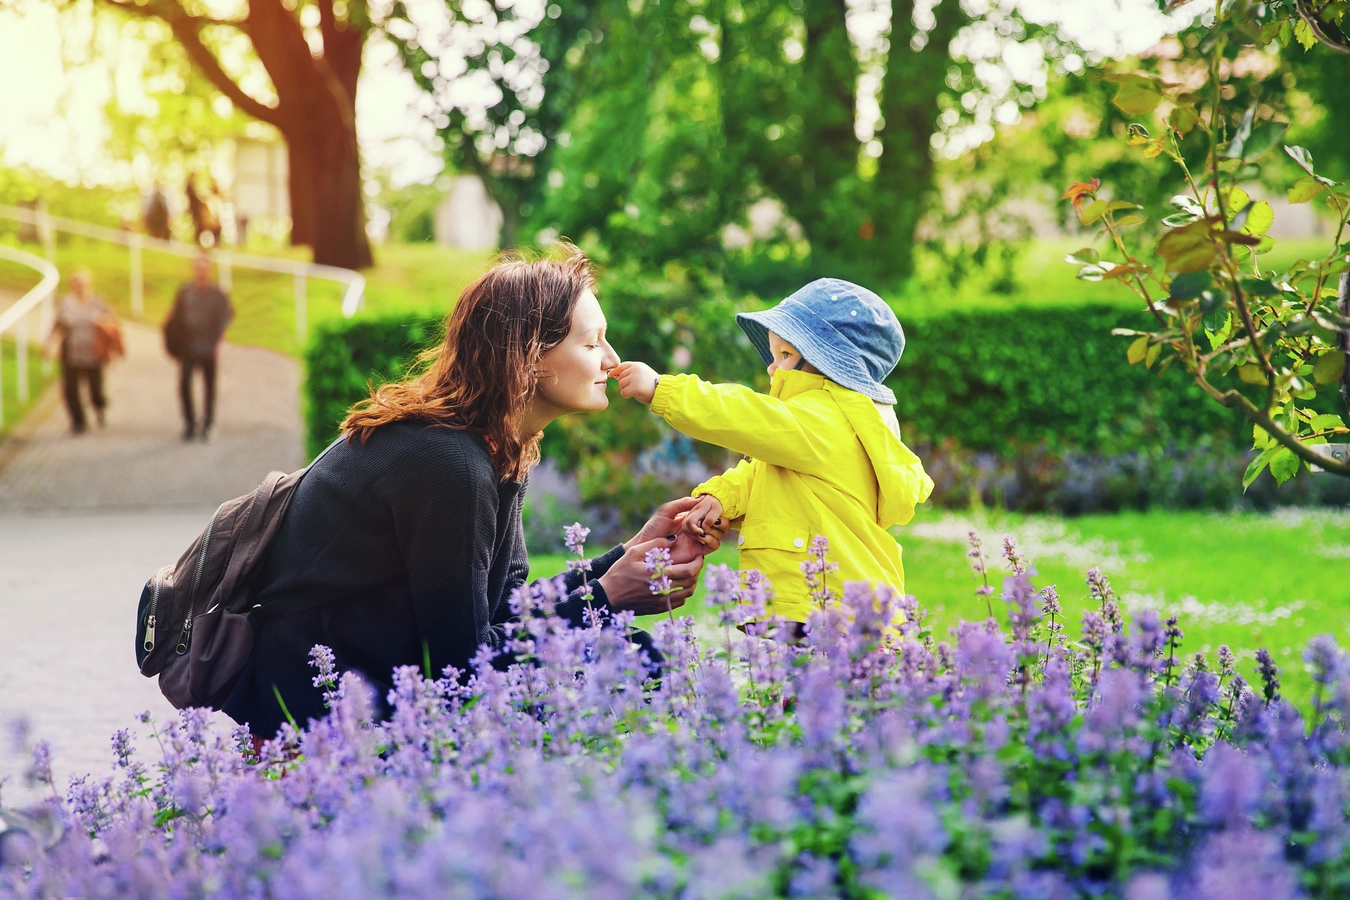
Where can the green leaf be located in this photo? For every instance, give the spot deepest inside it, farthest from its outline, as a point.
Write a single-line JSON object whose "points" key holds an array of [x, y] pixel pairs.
{"points": [[1183, 119], [1190, 285], [1263, 139], [1212, 301], [1304, 189], [1259, 287], [1329, 367], [1252, 374], [1136, 95], [1138, 349], [1189, 248], [1236, 146], [1301, 156], [1260, 439], [1084, 257], [1236, 198], [1152, 356], [1303, 33], [1129, 220], [1093, 211], [1284, 465], [1326, 421], [1255, 467], [1260, 216], [1121, 204]]}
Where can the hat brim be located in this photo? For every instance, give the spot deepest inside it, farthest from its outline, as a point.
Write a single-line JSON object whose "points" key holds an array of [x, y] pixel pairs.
{"points": [[835, 364]]}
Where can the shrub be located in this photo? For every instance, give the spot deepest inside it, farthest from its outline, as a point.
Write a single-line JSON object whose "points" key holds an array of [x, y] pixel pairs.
{"points": [[1003, 381], [345, 356], [872, 761]]}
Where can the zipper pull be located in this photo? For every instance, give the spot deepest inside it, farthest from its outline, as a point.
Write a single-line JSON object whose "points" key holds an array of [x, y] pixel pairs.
{"points": [[184, 637], [149, 634]]}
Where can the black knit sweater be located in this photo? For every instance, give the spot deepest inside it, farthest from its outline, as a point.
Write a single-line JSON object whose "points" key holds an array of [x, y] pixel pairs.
{"points": [[412, 546]]}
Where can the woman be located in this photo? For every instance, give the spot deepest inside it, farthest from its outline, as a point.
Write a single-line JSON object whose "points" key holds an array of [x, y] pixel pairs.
{"points": [[81, 332], [408, 532]]}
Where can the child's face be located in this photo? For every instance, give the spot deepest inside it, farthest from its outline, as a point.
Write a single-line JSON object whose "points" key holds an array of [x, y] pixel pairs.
{"points": [[785, 356]]}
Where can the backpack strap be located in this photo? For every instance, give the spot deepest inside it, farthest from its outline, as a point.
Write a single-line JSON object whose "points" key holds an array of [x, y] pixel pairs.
{"points": [[286, 607]]}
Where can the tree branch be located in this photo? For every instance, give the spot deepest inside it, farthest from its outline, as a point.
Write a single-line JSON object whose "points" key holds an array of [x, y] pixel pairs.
{"points": [[1326, 33], [187, 29], [1233, 399]]}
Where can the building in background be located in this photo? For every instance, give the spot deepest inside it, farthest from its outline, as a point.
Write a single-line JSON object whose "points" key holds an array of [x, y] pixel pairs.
{"points": [[261, 183], [468, 218]]}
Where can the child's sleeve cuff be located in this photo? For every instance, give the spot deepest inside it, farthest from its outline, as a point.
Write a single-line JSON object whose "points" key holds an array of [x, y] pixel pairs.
{"points": [[665, 388]]}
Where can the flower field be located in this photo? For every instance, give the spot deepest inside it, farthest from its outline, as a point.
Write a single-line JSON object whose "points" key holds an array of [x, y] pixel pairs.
{"points": [[1048, 757]]}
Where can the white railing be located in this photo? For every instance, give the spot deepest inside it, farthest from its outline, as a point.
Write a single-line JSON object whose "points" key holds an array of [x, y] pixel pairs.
{"points": [[47, 225], [17, 316]]}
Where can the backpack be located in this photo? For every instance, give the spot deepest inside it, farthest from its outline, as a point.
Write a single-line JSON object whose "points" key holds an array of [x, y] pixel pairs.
{"points": [[193, 625]]}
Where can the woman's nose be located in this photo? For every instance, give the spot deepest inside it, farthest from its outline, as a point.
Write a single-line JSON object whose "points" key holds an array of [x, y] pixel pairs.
{"points": [[611, 358]]}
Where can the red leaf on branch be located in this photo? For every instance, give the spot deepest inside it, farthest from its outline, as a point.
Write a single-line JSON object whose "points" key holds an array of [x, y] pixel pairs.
{"points": [[1081, 190]]}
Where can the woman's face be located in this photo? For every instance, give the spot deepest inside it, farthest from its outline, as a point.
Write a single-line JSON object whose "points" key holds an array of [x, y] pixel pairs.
{"points": [[573, 375]]}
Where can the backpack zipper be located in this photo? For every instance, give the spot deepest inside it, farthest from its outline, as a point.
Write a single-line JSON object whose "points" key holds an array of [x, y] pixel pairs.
{"points": [[186, 635], [150, 619]]}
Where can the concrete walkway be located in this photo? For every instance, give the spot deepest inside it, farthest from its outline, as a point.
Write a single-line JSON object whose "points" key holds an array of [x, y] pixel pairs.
{"points": [[140, 462], [85, 520]]}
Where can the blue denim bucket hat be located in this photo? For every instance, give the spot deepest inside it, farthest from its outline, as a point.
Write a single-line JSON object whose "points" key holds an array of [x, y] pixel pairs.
{"points": [[845, 331]]}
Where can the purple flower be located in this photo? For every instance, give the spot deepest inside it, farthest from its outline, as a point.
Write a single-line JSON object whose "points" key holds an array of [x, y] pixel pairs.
{"points": [[1013, 555], [657, 564], [1270, 675], [574, 536]]}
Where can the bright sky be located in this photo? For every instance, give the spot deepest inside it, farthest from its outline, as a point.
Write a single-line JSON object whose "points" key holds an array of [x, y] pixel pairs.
{"points": [[55, 122]]}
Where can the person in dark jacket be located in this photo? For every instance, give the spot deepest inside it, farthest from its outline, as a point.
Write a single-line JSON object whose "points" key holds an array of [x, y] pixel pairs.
{"points": [[201, 312], [404, 543]]}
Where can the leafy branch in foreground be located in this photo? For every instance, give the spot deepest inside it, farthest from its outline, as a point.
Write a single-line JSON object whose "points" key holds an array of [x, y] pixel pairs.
{"points": [[1217, 309]]}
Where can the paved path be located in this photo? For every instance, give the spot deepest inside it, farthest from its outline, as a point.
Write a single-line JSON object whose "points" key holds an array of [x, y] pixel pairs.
{"points": [[140, 462], [84, 520]]}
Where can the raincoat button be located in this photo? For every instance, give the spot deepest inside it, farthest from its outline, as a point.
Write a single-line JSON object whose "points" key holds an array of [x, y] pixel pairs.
{"points": [[740, 540], [799, 543]]}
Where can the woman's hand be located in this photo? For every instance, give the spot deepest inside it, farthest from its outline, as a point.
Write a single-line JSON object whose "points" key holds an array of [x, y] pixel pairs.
{"points": [[668, 521], [628, 585], [636, 380]]}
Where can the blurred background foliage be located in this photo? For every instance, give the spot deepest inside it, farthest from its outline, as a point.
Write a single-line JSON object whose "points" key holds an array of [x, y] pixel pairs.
{"points": [[713, 155]]}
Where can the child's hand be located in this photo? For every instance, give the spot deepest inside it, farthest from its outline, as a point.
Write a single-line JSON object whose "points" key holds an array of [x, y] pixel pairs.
{"points": [[705, 521], [636, 380]]}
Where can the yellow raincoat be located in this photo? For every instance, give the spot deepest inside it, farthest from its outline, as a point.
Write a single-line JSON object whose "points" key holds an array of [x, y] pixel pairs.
{"points": [[822, 461]]}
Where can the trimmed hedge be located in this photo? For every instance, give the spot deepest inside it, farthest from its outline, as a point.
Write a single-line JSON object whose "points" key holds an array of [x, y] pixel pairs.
{"points": [[998, 380], [346, 356], [994, 379]]}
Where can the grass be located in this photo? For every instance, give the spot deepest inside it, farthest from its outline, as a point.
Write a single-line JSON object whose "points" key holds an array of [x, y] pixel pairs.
{"points": [[409, 278], [1042, 278], [38, 378], [1244, 579]]}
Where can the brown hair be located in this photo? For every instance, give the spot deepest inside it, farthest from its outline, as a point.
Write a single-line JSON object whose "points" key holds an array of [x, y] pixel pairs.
{"points": [[483, 376]]}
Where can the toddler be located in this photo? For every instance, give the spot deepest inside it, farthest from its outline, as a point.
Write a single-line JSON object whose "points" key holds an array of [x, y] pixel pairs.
{"points": [[823, 448]]}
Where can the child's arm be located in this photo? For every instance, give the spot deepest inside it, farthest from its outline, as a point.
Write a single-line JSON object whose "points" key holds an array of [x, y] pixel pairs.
{"points": [[797, 435], [731, 489]]}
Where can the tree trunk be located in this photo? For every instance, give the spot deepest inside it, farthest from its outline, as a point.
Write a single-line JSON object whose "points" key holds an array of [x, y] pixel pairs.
{"points": [[301, 192], [334, 211], [909, 94]]}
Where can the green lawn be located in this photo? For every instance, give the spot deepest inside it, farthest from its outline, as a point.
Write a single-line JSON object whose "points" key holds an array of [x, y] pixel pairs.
{"points": [[1247, 580], [419, 278], [1044, 279]]}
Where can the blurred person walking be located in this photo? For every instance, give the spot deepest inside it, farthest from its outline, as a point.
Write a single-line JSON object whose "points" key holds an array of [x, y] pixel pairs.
{"points": [[156, 213], [192, 334], [87, 337], [196, 205]]}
